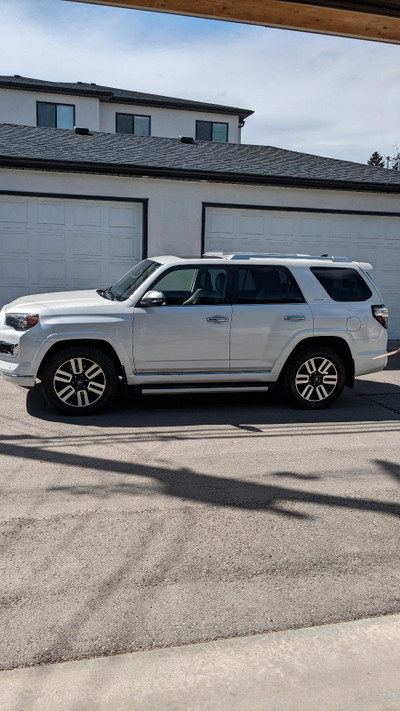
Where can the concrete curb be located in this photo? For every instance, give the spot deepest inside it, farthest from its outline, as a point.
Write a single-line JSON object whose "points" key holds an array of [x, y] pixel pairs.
{"points": [[350, 666]]}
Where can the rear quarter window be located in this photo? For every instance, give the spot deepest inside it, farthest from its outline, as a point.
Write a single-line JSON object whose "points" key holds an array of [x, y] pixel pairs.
{"points": [[342, 284]]}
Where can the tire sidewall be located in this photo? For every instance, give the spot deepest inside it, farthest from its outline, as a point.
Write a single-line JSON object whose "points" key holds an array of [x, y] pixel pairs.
{"points": [[87, 352], [289, 375]]}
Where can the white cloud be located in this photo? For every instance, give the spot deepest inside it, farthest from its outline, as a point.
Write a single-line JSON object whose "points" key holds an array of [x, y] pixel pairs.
{"points": [[326, 95]]}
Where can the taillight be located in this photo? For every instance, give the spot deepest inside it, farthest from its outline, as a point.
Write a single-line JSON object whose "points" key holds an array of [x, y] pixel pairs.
{"points": [[381, 313]]}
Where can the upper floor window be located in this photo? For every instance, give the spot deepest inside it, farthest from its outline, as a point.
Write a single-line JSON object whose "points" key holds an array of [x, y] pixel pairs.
{"points": [[133, 123], [212, 131], [55, 115]]}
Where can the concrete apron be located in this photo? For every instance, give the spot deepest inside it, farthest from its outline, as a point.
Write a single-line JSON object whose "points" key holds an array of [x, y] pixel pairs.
{"points": [[351, 666]]}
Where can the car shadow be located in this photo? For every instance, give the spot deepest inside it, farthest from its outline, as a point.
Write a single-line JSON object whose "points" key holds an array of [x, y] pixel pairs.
{"points": [[370, 401]]}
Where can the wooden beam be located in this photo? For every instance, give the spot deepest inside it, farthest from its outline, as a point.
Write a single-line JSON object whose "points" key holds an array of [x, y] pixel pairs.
{"points": [[379, 21]]}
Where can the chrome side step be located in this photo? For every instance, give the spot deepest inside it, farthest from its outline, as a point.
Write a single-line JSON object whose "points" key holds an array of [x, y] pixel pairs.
{"points": [[193, 390]]}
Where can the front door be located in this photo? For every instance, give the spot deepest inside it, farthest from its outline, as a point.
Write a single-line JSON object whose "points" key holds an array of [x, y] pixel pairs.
{"points": [[190, 332]]}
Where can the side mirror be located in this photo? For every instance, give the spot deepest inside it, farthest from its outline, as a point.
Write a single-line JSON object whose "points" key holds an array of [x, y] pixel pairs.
{"points": [[152, 298]]}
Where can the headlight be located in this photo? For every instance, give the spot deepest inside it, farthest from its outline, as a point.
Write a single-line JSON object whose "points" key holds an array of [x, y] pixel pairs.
{"points": [[21, 322]]}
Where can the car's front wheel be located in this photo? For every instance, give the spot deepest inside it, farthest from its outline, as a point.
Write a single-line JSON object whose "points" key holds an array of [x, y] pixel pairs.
{"points": [[79, 380], [314, 378]]}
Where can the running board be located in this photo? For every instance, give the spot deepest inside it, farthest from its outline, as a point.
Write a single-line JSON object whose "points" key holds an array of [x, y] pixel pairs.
{"points": [[190, 390]]}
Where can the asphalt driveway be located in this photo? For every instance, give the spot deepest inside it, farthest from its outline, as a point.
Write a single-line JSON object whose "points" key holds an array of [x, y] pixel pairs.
{"points": [[170, 520]]}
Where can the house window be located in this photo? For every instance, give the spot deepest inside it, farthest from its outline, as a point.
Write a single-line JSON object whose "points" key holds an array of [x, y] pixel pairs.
{"points": [[133, 123], [55, 115], [211, 131]]}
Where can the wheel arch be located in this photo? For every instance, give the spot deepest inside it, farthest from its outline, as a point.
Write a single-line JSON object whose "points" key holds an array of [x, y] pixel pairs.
{"points": [[337, 344], [103, 345]]}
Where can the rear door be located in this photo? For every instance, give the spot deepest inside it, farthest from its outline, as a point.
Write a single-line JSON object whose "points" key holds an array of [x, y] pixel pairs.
{"points": [[268, 312]]}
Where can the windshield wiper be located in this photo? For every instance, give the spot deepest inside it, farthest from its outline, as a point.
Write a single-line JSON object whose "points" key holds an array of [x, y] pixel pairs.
{"points": [[107, 293]]}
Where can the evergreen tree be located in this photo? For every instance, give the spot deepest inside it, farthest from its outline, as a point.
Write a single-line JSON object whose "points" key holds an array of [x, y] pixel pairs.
{"points": [[376, 159]]}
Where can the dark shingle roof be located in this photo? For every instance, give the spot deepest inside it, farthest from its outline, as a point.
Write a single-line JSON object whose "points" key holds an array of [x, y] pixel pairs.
{"points": [[120, 96], [57, 149]]}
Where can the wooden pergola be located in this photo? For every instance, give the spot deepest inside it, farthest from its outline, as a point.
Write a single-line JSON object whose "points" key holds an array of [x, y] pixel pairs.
{"points": [[377, 20]]}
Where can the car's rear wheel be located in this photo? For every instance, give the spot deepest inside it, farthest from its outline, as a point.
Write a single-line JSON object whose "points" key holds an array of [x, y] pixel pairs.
{"points": [[314, 378], [79, 380]]}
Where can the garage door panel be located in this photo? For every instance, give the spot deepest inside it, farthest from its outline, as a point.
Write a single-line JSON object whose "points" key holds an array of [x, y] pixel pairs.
{"points": [[252, 225], [391, 255], [13, 242], [365, 238], [51, 214], [85, 244], [52, 244], [14, 271], [51, 272], [123, 217], [14, 211], [121, 246], [85, 215], [282, 226], [87, 273]]}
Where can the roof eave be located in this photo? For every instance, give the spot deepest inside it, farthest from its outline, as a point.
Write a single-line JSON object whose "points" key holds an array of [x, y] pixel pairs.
{"points": [[93, 93], [195, 175]]}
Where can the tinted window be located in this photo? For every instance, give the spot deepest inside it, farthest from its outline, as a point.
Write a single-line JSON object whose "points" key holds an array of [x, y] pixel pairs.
{"points": [[133, 124], [212, 131], [342, 284], [267, 285], [55, 115], [188, 286]]}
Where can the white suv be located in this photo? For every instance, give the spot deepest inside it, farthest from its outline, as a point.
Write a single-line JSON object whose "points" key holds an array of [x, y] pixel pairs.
{"points": [[221, 322]]}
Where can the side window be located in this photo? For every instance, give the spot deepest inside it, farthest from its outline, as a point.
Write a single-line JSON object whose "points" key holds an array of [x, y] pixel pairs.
{"points": [[188, 286], [342, 284], [267, 285], [134, 124], [53, 115], [212, 131]]}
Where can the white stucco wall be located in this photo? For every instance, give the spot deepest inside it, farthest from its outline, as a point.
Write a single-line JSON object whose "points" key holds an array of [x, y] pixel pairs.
{"points": [[168, 123], [19, 107], [175, 215], [175, 206]]}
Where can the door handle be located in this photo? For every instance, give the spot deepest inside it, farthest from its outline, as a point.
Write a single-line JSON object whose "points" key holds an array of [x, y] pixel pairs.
{"points": [[295, 317], [218, 319]]}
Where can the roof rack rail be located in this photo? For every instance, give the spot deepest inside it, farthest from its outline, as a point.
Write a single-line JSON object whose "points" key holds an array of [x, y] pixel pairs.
{"points": [[273, 255]]}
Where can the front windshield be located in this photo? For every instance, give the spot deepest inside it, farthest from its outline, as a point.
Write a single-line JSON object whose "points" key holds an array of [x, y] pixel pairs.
{"points": [[133, 279]]}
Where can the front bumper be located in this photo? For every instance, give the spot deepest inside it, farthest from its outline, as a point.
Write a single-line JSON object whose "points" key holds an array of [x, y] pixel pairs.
{"points": [[24, 381]]}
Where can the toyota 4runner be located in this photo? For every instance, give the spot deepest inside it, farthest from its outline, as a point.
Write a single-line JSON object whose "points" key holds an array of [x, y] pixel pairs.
{"points": [[221, 322]]}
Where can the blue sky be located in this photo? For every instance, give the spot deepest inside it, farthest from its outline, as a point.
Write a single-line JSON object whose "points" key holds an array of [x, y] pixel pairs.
{"points": [[328, 96]]}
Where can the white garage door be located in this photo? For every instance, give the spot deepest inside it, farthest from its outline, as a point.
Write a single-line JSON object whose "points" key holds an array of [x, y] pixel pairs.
{"points": [[374, 239], [51, 244]]}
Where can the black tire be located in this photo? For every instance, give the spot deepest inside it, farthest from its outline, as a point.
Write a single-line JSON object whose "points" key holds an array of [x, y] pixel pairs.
{"points": [[314, 378], [79, 380]]}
